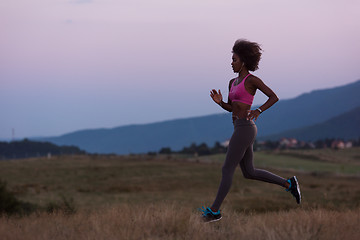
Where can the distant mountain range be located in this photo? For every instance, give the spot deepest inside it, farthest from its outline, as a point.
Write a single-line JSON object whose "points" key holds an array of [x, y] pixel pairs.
{"points": [[322, 113], [345, 126]]}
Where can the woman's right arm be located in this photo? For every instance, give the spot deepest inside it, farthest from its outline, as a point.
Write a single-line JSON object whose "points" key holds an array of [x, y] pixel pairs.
{"points": [[226, 106], [217, 97]]}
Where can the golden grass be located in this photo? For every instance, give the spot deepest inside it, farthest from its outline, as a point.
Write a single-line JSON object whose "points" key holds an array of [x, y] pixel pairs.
{"points": [[168, 221], [102, 181], [145, 197]]}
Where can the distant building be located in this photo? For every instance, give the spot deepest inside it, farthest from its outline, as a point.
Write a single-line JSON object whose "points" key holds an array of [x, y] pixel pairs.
{"points": [[311, 145], [348, 144], [339, 144], [226, 143], [288, 143]]}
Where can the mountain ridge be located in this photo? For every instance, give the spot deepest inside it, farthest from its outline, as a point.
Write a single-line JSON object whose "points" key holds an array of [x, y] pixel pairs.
{"points": [[305, 110], [345, 126]]}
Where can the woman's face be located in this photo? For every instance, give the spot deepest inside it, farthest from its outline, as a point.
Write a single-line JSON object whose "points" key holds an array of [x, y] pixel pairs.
{"points": [[236, 63]]}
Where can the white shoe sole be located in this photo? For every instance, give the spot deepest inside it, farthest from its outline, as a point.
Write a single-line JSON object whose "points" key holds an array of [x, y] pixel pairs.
{"points": [[215, 220], [298, 188]]}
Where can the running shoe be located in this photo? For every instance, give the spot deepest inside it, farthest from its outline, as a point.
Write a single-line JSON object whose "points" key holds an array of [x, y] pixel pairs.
{"points": [[210, 216], [294, 189]]}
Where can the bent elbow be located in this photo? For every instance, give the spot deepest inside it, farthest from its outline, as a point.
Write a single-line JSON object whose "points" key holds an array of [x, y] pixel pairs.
{"points": [[275, 98]]}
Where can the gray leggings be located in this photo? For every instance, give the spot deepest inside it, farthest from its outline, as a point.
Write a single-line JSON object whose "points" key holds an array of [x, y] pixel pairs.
{"points": [[240, 152]]}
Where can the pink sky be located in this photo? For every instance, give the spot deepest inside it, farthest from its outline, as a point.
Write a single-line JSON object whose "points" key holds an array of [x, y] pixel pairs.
{"points": [[67, 65]]}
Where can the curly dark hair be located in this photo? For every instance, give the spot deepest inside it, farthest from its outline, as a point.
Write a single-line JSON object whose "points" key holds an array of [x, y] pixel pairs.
{"points": [[249, 53]]}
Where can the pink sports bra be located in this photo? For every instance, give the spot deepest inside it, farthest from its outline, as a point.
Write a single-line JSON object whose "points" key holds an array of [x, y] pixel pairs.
{"points": [[238, 93]]}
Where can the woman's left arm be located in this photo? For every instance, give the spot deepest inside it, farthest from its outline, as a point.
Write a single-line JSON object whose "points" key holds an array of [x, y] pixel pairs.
{"points": [[258, 84]]}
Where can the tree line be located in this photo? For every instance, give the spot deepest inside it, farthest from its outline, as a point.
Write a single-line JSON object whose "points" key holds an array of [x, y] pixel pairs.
{"points": [[194, 149], [318, 144], [27, 149], [203, 149]]}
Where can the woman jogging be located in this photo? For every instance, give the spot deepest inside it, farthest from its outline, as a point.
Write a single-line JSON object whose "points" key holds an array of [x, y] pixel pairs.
{"points": [[246, 57]]}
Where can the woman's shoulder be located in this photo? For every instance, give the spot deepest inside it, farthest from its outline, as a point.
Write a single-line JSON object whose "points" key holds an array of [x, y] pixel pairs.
{"points": [[253, 79], [231, 82], [254, 82]]}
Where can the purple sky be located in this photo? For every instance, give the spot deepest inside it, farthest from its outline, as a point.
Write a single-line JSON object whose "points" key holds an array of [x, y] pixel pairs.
{"points": [[67, 65]]}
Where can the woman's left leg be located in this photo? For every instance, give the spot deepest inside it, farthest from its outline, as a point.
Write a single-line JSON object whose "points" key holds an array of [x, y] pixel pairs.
{"points": [[248, 170]]}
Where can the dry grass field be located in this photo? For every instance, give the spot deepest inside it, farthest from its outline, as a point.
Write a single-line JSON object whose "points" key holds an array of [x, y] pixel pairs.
{"points": [[168, 221], [156, 197]]}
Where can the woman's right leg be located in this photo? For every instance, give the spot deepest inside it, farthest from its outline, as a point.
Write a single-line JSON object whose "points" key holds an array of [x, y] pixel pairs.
{"points": [[241, 139]]}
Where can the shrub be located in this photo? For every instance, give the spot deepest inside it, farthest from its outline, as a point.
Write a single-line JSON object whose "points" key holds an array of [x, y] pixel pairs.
{"points": [[10, 205], [66, 206]]}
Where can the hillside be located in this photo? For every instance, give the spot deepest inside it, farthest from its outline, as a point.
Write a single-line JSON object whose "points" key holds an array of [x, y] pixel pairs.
{"points": [[346, 126], [151, 137], [306, 110], [309, 109]]}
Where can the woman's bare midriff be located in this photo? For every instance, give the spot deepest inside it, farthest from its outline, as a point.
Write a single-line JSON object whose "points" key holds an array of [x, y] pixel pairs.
{"points": [[239, 110]]}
